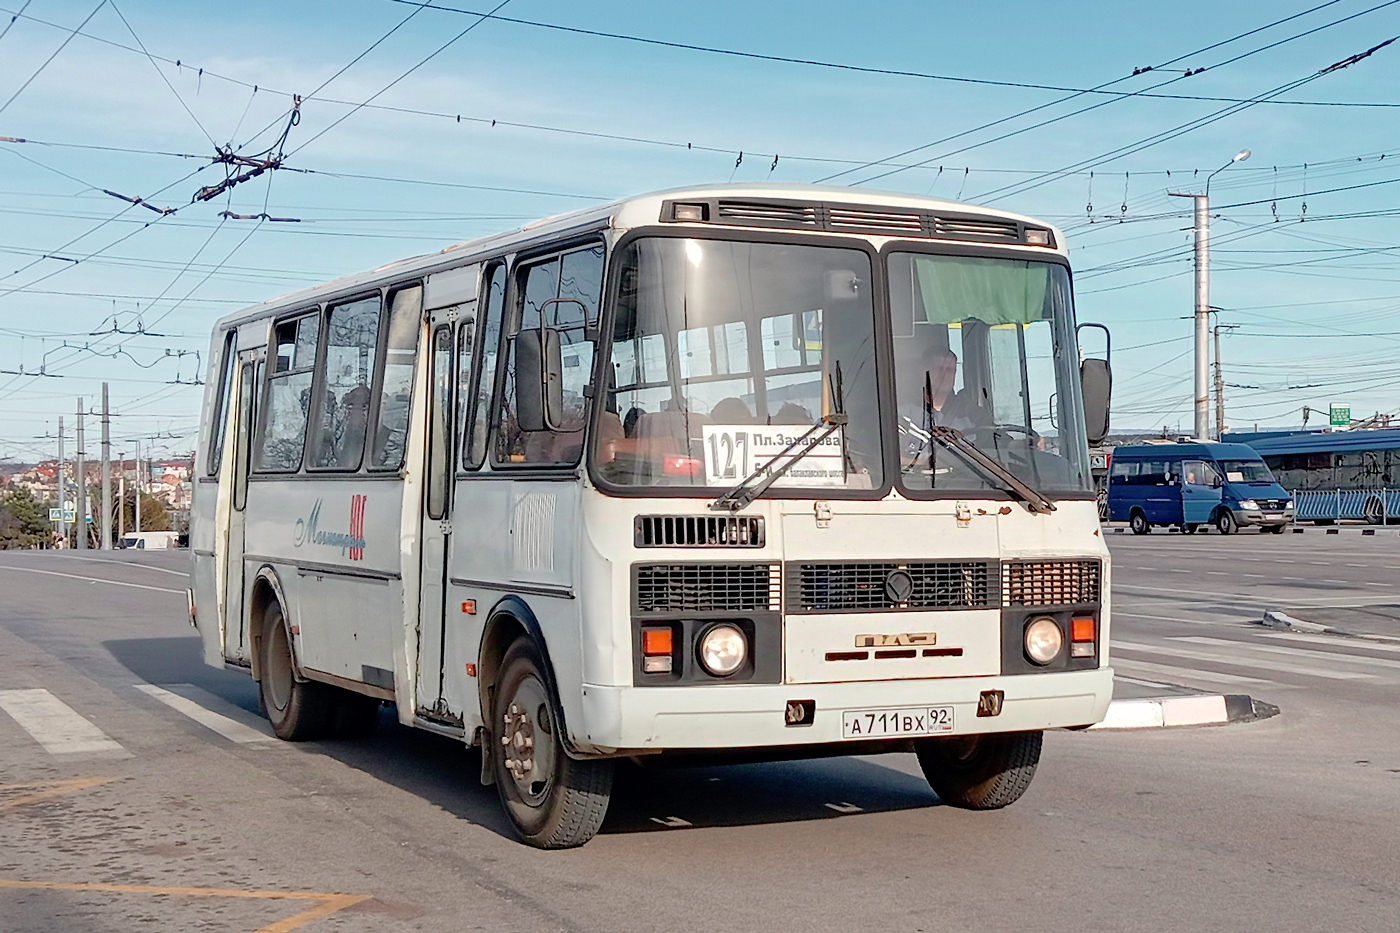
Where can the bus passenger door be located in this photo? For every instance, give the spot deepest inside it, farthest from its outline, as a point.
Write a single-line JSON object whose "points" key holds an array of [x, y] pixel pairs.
{"points": [[237, 645], [1200, 491], [437, 506]]}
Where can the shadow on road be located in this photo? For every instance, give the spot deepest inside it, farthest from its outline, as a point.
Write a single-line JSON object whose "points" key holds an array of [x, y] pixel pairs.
{"points": [[646, 798]]}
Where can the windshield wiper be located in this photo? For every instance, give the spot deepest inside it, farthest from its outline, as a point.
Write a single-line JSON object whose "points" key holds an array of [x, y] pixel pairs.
{"points": [[957, 442], [741, 493]]}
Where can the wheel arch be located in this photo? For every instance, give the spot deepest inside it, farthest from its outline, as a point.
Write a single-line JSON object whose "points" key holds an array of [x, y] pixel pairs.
{"points": [[267, 589], [511, 618]]}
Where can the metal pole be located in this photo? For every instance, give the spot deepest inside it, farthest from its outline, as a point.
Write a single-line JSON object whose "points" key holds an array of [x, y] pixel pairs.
{"points": [[106, 472], [62, 485], [1219, 389], [138, 486], [80, 479], [1202, 231], [121, 495]]}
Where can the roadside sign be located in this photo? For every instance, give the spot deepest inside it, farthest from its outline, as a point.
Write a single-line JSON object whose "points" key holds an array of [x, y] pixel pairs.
{"points": [[1340, 415], [63, 515]]}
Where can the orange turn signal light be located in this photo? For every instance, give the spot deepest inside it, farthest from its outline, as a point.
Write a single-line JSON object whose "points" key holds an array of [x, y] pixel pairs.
{"points": [[656, 641], [1082, 630]]}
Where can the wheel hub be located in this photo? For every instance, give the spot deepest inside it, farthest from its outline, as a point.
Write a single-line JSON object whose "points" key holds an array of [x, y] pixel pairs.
{"points": [[527, 750]]}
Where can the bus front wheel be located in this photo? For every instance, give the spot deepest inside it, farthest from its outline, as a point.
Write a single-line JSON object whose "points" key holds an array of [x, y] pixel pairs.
{"points": [[980, 772], [299, 710], [553, 801], [1139, 524]]}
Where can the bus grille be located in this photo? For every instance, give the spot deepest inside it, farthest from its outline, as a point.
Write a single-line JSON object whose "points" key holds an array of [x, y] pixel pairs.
{"points": [[1050, 582], [876, 586], [698, 531], [708, 587]]}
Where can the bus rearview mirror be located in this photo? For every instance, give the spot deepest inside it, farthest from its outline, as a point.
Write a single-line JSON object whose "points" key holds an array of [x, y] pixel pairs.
{"points": [[1096, 380], [539, 377]]}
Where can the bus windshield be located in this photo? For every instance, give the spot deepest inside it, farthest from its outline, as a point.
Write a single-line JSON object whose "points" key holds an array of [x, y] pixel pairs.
{"points": [[985, 346], [725, 352], [1246, 471]]}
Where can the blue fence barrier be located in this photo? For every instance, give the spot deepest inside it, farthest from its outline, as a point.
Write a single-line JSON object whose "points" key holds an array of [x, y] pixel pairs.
{"points": [[1333, 504]]}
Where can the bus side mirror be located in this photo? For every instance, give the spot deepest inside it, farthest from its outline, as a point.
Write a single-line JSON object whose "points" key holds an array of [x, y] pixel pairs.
{"points": [[1096, 381], [539, 379]]}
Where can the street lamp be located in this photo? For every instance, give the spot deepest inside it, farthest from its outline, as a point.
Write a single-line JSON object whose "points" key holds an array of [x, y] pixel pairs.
{"points": [[1202, 315]]}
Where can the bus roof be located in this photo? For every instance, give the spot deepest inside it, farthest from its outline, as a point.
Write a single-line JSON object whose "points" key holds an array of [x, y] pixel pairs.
{"points": [[810, 208], [1211, 450], [1315, 442]]}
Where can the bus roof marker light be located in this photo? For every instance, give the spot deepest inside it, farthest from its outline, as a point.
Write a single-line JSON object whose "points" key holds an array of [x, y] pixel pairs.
{"points": [[1037, 237], [697, 213]]}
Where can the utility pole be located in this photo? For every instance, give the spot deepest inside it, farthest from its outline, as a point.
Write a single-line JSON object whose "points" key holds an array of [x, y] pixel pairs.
{"points": [[137, 516], [62, 484], [106, 472], [1202, 313], [1219, 389], [80, 479], [121, 495]]}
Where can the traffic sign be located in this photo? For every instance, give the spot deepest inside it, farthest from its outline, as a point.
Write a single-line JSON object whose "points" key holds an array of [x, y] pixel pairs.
{"points": [[1340, 415], [64, 515]]}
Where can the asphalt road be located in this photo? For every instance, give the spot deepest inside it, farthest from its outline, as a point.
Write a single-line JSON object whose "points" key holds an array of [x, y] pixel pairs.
{"points": [[154, 819]]}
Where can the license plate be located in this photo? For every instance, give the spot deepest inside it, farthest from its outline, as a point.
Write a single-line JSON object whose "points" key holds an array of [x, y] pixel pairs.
{"points": [[884, 723]]}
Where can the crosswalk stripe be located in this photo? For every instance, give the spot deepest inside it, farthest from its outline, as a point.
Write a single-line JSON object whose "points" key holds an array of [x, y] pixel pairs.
{"points": [[229, 728], [1237, 661], [1167, 670], [55, 725], [1331, 641], [1294, 652]]}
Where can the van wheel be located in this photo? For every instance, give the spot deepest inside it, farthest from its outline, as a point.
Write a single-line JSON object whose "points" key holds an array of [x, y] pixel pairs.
{"points": [[1139, 524], [1225, 522], [553, 801], [980, 772], [298, 710]]}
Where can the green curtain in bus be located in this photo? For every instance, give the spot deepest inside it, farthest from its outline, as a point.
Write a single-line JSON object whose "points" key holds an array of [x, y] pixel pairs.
{"points": [[995, 291]]}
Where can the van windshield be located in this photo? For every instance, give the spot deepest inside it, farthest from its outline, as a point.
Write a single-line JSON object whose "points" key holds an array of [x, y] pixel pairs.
{"points": [[1246, 471]]}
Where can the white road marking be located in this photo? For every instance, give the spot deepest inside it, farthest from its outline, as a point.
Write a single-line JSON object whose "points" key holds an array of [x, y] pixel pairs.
{"points": [[231, 729], [56, 726], [1189, 673], [844, 807], [1236, 661], [74, 576], [1139, 615], [672, 822], [1293, 652], [1221, 573], [1331, 640], [131, 563], [1252, 599]]}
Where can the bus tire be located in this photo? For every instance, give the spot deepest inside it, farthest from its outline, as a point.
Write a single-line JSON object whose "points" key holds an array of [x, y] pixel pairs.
{"points": [[1138, 522], [980, 772], [553, 801], [299, 710], [1225, 522]]}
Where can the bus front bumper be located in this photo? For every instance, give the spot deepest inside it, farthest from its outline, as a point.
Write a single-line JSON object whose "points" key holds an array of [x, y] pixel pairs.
{"points": [[648, 719]]}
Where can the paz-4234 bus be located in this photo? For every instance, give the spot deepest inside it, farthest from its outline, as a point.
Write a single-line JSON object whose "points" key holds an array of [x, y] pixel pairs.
{"points": [[792, 470]]}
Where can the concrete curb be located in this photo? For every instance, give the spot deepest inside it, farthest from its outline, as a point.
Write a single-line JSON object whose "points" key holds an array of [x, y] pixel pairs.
{"points": [[1201, 710], [1276, 618]]}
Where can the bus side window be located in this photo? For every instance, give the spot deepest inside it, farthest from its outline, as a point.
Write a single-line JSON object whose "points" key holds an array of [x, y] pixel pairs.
{"points": [[289, 393], [396, 390], [220, 425], [575, 279], [352, 337], [477, 418]]}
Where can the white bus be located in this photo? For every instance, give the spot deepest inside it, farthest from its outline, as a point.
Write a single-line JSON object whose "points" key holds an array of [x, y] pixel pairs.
{"points": [[786, 469]]}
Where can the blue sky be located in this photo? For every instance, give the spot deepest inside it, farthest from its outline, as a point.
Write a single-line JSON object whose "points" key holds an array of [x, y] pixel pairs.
{"points": [[1307, 274]]}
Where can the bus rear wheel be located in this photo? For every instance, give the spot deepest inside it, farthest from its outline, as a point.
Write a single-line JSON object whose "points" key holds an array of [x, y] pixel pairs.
{"points": [[980, 772], [553, 801], [1138, 522], [299, 710]]}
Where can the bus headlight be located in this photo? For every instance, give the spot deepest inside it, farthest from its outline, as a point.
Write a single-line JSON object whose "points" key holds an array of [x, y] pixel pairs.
{"points": [[723, 650], [1044, 640]]}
